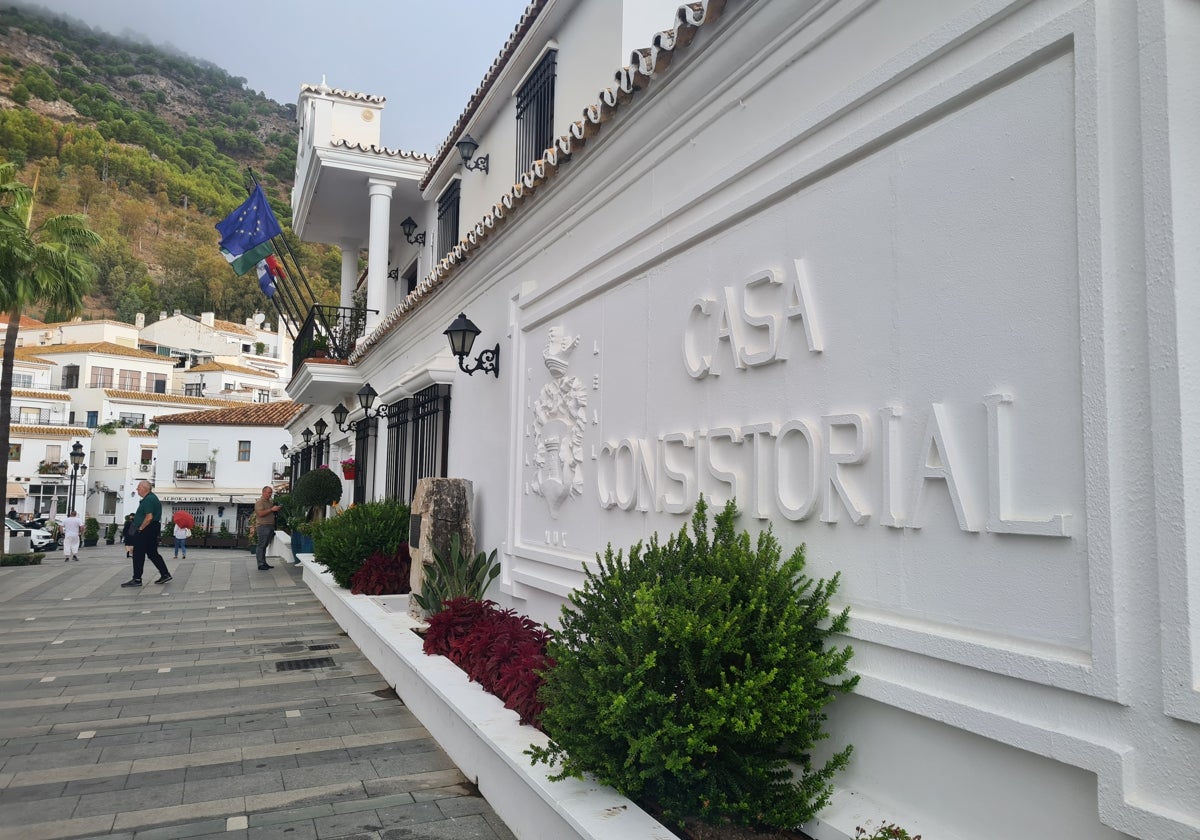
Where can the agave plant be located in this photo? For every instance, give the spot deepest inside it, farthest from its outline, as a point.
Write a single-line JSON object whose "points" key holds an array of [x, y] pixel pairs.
{"points": [[456, 575]]}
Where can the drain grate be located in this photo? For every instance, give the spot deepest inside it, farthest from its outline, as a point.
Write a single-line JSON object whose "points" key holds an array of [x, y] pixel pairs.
{"points": [[303, 664], [323, 647]]}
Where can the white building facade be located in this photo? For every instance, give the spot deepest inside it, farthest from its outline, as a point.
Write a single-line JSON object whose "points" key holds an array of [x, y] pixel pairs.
{"points": [[214, 464], [910, 281]]}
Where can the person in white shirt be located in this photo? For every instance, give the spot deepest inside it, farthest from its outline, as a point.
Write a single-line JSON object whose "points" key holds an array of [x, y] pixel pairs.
{"points": [[181, 535], [72, 530]]}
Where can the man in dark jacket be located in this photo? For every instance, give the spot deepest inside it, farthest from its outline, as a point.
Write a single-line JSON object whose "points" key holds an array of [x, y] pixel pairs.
{"points": [[148, 521]]}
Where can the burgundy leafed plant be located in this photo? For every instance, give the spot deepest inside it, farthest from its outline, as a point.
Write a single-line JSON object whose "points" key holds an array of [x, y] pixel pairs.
{"points": [[501, 650], [384, 574]]}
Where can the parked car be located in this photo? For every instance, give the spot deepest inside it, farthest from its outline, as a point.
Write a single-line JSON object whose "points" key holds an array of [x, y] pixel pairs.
{"points": [[39, 538]]}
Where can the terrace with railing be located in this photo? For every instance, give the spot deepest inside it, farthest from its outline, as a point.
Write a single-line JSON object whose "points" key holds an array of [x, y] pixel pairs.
{"points": [[195, 471], [328, 332]]}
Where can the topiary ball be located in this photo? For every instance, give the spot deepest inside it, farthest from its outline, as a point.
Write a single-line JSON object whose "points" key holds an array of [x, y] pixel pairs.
{"points": [[318, 488]]}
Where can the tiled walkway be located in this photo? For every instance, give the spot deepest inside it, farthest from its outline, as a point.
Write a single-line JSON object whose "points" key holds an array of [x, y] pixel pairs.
{"points": [[171, 712]]}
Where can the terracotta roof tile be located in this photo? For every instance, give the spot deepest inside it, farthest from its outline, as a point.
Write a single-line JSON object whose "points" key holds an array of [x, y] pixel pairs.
{"points": [[382, 150], [249, 414], [245, 371], [41, 395], [105, 347], [77, 323], [644, 65], [47, 431], [28, 354], [142, 433], [233, 327], [173, 399], [326, 90]]}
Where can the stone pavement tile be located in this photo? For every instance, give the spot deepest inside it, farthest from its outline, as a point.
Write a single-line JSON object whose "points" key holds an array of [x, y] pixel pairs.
{"points": [[239, 739], [468, 828], [33, 792], [415, 814], [116, 740], [404, 765], [191, 812], [298, 830], [134, 752], [49, 761], [414, 782], [328, 774], [24, 813], [277, 762], [463, 806], [80, 787], [459, 791], [213, 771], [132, 799], [233, 785], [304, 733], [339, 825], [180, 831], [173, 762], [302, 803], [54, 829]]}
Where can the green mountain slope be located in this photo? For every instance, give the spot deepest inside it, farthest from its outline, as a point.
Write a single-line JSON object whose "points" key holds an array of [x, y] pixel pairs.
{"points": [[153, 147]]}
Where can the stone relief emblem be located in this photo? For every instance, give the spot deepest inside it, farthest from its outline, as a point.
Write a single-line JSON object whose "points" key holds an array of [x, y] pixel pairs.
{"points": [[559, 417]]}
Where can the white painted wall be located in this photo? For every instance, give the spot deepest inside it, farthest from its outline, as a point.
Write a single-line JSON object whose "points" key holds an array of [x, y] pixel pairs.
{"points": [[949, 245]]}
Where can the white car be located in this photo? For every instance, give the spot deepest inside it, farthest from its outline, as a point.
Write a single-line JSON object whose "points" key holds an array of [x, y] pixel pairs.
{"points": [[39, 538]]}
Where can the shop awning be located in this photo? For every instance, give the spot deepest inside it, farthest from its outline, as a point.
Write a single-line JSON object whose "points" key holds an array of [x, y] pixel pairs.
{"points": [[16, 491]]}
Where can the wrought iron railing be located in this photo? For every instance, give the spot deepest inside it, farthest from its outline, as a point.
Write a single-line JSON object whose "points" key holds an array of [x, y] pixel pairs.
{"points": [[195, 471], [328, 331], [30, 417]]}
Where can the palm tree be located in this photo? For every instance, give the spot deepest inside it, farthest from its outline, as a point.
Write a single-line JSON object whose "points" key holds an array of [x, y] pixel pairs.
{"points": [[48, 264]]}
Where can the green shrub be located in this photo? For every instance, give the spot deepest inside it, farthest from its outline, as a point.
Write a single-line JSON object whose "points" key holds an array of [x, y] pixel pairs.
{"points": [[456, 575], [110, 531], [342, 544], [695, 675], [318, 488], [91, 528], [290, 513], [32, 559]]}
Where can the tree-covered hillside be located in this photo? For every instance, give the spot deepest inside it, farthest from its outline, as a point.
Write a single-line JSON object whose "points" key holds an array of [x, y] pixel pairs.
{"points": [[153, 147]]}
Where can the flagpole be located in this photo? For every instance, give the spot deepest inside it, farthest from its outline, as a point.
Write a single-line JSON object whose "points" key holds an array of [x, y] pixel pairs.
{"points": [[296, 263]]}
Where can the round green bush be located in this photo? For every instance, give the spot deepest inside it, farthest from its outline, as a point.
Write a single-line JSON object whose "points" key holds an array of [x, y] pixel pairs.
{"points": [[694, 675], [317, 488]]}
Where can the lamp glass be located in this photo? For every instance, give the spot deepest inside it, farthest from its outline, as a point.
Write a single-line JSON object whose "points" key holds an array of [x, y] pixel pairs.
{"points": [[408, 226], [366, 396], [283, 449], [462, 335], [307, 435], [321, 427], [466, 147], [340, 413], [77, 453]]}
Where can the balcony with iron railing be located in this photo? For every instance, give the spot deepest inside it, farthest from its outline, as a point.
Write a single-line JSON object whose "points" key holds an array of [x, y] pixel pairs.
{"points": [[327, 337], [34, 417], [195, 471]]}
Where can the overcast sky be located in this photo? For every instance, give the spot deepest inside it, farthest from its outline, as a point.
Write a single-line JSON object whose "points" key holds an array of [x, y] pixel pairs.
{"points": [[425, 57]]}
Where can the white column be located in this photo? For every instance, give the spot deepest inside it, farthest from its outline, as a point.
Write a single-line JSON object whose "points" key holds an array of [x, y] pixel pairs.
{"points": [[377, 248], [349, 272]]}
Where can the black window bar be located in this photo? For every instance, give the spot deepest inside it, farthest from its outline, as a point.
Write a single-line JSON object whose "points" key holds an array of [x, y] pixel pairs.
{"points": [[447, 209], [535, 113], [418, 430], [364, 437]]}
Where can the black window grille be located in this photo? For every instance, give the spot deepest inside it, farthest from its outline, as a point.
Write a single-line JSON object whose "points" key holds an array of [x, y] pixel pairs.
{"points": [[535, 112], [70, 376], [364, 444], [447, 232], [418, 430]]}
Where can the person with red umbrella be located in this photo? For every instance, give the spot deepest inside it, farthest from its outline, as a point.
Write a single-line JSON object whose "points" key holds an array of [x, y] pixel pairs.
{"points": [[183, 529]]}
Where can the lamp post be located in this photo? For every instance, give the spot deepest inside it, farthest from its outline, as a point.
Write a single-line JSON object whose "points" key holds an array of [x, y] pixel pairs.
{"points": [[76, 467]]}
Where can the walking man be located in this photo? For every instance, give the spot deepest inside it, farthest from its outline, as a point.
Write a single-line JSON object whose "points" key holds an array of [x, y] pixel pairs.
{"points": [[72, 529], [148, 520], [264, 513]]}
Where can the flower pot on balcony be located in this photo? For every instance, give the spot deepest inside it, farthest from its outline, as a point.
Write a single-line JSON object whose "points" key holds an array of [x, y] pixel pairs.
{"points": [[348, 473]]}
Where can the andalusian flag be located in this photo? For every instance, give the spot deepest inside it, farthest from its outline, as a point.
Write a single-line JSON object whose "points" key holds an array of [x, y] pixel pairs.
{"points": [[246, 233], [269, 270]]}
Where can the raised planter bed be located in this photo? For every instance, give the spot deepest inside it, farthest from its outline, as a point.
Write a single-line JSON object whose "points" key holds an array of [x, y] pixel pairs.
{"points": [[483, 738]]}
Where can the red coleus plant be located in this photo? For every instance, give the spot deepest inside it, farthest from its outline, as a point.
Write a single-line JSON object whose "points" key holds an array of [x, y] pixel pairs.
{"points": [[501, 650], [384, 574]]}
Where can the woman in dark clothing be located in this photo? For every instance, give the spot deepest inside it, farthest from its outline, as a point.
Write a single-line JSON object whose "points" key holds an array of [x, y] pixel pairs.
{"points": [[127, 534]]}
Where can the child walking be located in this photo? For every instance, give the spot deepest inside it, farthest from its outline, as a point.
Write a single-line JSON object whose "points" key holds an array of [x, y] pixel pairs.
{"points": [[127, 534]]}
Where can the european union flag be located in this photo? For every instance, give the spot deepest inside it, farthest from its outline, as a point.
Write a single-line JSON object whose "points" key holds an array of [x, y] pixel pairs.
{"points": [[246, 233]]}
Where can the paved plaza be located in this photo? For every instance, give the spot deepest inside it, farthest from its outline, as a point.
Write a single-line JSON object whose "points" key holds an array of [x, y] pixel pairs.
{"points": [[223, 704]]}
